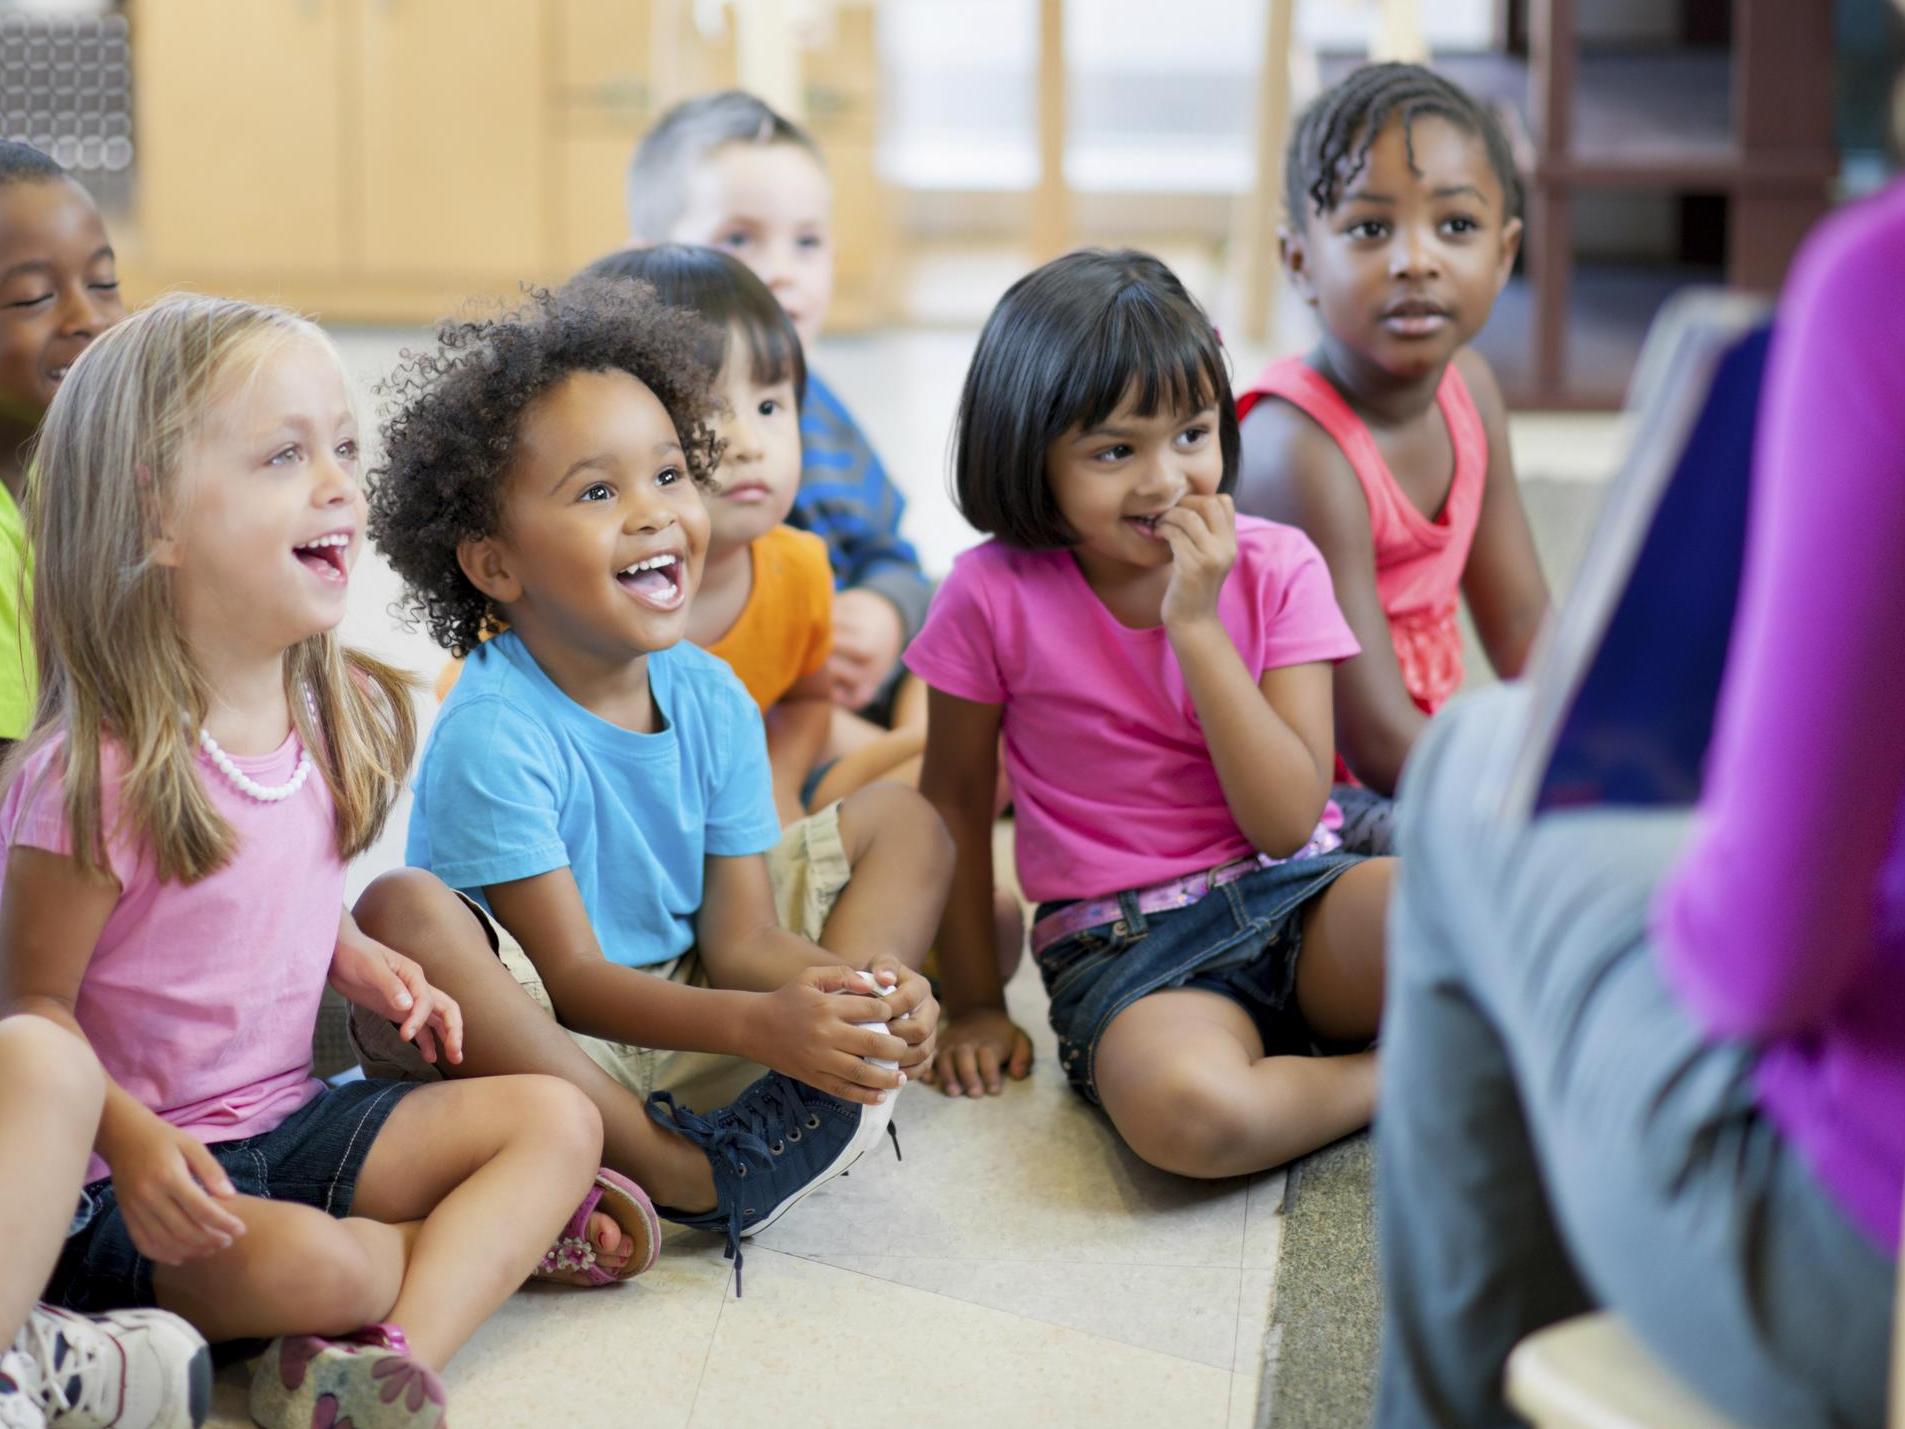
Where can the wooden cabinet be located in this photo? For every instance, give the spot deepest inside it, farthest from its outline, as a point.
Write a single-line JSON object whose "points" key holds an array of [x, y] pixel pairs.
{"points": [[449, 173], [241, 138], [390, 160]]}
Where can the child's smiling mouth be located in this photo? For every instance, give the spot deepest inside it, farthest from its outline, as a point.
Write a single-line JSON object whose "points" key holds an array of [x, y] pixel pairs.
{"points": [[655, 581], [325, 557], [1147, 526]]}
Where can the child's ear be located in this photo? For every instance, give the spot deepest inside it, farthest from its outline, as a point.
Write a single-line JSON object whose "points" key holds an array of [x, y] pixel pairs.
{"points": [[1511, 245], [1293, 253], [165, 549], [487, 566]]}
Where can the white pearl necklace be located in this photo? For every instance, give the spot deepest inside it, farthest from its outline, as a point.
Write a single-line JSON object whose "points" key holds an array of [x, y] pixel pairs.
{"points": [[244, 783]]}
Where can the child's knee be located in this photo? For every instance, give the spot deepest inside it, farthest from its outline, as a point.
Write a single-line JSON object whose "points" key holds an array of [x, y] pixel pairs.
{"points": [[341, 1284], [416, 913], [896, 816], [559, 1117], [1191, 1122], [49, 1065]]}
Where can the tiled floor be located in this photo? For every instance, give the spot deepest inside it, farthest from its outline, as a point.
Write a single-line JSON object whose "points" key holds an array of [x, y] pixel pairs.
{"points": [[1018, 1268]]}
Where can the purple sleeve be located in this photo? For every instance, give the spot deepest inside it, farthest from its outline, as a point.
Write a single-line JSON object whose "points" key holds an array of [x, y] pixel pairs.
{"points": [[1771, 912]]}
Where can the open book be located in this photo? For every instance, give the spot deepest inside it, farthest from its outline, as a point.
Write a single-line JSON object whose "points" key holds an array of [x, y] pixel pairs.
{"points": [[1627, 678]]}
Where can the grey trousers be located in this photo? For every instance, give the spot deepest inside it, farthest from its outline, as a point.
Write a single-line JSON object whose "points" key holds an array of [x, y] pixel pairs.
{"points": [[1554, 1133]]}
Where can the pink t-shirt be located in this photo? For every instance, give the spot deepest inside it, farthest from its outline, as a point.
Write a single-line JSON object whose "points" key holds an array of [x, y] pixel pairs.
{"points": [[200, 999], [1112, 781]]}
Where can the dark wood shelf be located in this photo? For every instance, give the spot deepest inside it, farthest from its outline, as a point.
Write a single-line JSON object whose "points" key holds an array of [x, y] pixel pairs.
{"points": [[1610, 307], [1748, 121], [1640, 118]]}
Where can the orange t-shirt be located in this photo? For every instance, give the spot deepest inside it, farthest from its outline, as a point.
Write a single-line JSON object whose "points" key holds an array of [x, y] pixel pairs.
{"points": [[785, 631]]}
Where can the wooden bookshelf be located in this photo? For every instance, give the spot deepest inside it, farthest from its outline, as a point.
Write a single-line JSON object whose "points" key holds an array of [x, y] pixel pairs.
{"points": [[1739, 111]]}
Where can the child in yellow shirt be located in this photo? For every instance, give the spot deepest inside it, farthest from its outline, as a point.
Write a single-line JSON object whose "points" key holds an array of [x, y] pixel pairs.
{"points": [[58, 291]]}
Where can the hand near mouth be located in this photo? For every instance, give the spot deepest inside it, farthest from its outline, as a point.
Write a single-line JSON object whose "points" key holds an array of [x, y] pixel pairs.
{"points": [[1202, 531]]}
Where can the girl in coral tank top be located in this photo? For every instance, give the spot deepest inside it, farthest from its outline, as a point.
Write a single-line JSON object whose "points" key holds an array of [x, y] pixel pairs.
{"points": [[1387, 443]]}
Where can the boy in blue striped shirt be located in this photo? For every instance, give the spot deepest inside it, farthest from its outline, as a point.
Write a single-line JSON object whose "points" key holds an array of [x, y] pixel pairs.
{"points": [[728, 171]]}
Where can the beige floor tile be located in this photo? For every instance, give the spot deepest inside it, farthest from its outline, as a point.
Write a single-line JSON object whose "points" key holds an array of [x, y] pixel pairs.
{"points": [[1254, 1298], [1263, 1218], [813, 1345], [1033, 1174], [1243, 1401], [1187, 1311], [580, 1359]]}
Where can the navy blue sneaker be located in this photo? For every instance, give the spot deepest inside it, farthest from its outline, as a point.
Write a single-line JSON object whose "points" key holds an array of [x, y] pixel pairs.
{"points": [[771, 1146]]}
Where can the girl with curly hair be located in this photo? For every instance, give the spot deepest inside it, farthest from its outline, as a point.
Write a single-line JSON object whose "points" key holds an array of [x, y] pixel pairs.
{"points": [[597, 788]]}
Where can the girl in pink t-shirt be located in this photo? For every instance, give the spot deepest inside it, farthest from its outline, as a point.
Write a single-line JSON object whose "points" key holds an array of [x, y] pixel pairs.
{"points": [[1388, 442], [1159, 669], [204, 758]]}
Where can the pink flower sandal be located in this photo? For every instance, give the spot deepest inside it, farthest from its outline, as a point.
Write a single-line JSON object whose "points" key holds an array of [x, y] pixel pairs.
{"points": [[574, 1253], [364, 1380]]}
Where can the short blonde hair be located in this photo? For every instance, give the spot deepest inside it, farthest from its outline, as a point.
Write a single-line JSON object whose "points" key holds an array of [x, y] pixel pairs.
{"points": [[656, 188], [114, 663]]}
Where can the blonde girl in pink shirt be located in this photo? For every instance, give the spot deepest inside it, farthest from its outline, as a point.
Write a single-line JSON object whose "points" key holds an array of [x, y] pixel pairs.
{"points": [[204, 758], [1159, 669]]}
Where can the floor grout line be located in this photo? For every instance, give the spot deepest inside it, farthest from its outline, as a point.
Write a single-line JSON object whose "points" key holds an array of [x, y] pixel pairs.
{"points": [[821, 1256], [708, 1355], [1035, 1319]]}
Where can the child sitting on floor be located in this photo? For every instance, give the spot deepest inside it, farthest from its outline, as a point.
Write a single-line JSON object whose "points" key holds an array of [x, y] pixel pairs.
{"points": [[204, 759], [1388, 442], [634, 918], [726, 170], [59, 289], [133, 1369], [765, 600], [1160, 670]]}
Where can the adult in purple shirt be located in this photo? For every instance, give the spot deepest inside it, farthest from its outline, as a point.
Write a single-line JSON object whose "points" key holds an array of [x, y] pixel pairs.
{"points": [[1656, 1060]]}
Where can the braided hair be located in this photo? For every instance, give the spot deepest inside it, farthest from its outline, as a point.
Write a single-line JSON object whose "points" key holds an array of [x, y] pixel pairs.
{"points": [[1333, 134]]}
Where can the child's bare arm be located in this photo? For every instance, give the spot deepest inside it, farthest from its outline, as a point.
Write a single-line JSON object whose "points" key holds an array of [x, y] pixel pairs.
{"points": [[740, 938], [599, 998], [382, 980], [1502, 582], [958, 778], [1270, 742], [797, 730], [804, 1027], [1294, 473]]}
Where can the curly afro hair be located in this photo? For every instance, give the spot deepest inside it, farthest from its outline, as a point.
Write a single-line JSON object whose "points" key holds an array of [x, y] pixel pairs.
{"points": [[458, 411]]}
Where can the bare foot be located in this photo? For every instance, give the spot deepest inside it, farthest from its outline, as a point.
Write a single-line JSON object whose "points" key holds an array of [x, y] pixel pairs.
{"points": [[612, 1250]]}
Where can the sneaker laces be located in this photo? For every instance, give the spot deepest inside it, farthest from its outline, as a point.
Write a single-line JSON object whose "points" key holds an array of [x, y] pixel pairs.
{"points": [[22, 1383], [786, 1094], [68, 1385], [738, 1133]]}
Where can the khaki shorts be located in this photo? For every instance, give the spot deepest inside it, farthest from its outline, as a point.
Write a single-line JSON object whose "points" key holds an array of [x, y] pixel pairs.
{"points": [[808, 869]]}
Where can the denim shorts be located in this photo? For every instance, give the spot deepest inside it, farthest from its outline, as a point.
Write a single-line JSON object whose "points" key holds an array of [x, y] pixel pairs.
{"points": [[1369, 820], [312, 1157], [1239, 940]]}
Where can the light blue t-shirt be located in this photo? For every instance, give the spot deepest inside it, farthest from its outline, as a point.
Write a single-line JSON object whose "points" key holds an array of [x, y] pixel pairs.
{"points": [[518, 779]]}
